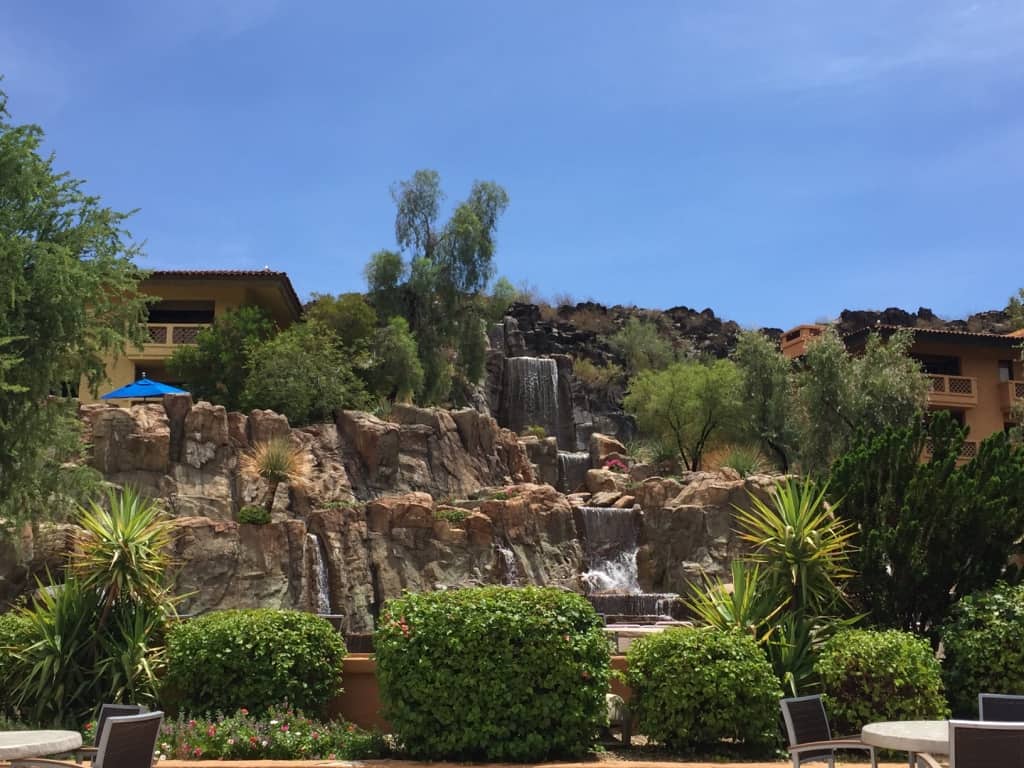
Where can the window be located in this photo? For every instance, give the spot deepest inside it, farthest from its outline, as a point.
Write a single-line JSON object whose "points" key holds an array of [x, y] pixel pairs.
{"points": [[940, 365], [1006, 370]]}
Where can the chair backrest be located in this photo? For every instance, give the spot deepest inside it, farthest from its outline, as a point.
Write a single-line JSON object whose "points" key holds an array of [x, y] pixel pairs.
{"points": [[129, 741], [1001, 707], [975, 744], [116, 710], [806, 720]]}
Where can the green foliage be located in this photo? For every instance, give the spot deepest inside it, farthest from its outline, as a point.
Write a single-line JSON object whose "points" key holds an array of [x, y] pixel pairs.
{"points": [[765, 374], [493, 673], [870, 676], [396, 372], [642, 346], [503, 295], [253, 514], [838, 394], [699, 687], [215, 368], [984, 646], [742, 606], [747, 460], [450, 266], [451, 514], [69, 297], [596, 377], [277, 460], [15, 634], [535, 430], [1015, 309], [97, 637], [304, 374], [349, 315], [689, 403], [254, 659], [280, 734], [929, 531]]}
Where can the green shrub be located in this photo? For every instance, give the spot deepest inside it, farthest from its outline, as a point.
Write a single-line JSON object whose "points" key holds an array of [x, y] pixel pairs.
{"points": [[15, 634], [693, 688], [868, 675], [281, 734], [451, 514], [984, 645], [535, 430], [253, 514], [253, 659], [493, 673]]}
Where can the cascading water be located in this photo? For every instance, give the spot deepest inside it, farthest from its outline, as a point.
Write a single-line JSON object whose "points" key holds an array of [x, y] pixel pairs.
{"points": [[321, 588], [612, 580], [531, 393], [510, 568], [572, 470]]}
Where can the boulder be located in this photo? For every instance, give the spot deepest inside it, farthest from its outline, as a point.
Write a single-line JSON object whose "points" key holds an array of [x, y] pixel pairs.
{"points": [[130, 440], [262, 426], [205, 434], [602, 447], [604, 480]]}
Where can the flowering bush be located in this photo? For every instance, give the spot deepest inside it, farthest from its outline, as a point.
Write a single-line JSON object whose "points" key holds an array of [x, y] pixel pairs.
{"points": [[282, 734], [616, 465]]}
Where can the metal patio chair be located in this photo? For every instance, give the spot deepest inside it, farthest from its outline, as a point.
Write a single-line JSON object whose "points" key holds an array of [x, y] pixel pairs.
{"points": [[124, 742], [810, 736], [1000, 707]]}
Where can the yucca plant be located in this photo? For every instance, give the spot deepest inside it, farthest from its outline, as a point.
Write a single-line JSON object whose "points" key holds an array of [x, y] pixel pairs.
{"points": [[802, 545], [743, 605], [123, 550], [277, 461]]}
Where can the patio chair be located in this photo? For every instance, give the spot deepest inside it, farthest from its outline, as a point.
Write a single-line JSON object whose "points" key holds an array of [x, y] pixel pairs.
{"points": [[976, 744], [125, 742], [810, 737], [107, 710], [1000, 707]]}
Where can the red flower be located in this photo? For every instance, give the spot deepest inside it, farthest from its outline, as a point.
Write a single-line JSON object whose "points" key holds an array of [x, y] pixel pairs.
{"points": [[244, 711], [284, 727], [252, 739], [211, 731], [197, 751]]}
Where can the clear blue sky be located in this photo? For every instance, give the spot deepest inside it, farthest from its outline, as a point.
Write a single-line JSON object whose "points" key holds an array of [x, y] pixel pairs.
{"points": [[776, 161]]}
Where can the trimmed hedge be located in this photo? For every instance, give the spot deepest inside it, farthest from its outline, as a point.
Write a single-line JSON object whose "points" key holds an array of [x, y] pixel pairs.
{"points": [[493, 673], [984, 646], [868, 676], [693, 688], [227, 660], [15, 633]]}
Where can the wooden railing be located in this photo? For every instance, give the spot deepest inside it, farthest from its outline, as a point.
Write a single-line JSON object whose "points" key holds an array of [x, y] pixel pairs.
{"points": [[952, 390], [175, 333], [967, 451], [1012, 394]]}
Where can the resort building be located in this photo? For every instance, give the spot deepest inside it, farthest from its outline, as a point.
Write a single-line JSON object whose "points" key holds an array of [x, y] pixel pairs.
{"points": [[978, 377], [188, 301]]}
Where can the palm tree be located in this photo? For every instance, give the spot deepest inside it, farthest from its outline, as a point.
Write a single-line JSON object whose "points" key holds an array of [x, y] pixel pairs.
{"points": [[277, 461]]}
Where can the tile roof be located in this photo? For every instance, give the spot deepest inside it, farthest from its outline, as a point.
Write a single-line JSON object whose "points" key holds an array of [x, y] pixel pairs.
{"points": [[257, 274], [986, 335]]}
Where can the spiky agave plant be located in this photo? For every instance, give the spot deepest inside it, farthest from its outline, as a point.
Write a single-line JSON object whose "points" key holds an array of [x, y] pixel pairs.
{"points": [[743, 605], [277, 461]]}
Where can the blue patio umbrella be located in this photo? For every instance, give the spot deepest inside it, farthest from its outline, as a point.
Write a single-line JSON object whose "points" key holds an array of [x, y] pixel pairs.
{"points": [[143, 388]]}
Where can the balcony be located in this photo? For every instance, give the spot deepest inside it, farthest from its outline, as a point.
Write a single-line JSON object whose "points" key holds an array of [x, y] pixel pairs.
{"points": [[1011, 394], [793, 344], [952, 391], [164, 337], [968, 451]]}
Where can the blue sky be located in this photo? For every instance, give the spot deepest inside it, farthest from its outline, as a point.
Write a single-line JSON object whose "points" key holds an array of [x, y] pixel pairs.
{"points": [[774, 161]]}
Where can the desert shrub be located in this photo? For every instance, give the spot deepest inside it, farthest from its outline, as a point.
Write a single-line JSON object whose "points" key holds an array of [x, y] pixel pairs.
{"points": [[493, 673], [593, 320], [280, 734], [15, 634], [984, 645], [254, 659], [594, 376], [868, 676], [694, 688], [745, 459], [642, 346], [253, 514], [535, 430], [451, 514]]}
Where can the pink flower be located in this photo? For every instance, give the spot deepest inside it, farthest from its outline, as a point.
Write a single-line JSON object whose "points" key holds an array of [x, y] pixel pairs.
{"points": [[244, 711], [284, 727], [197, 752], [211, 731]]}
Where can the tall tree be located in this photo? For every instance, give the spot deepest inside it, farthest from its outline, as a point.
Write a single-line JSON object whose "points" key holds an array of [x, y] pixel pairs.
{"points": [[68, 298], [1015, 309], [642, 346], [766, 392], [687, 403]]}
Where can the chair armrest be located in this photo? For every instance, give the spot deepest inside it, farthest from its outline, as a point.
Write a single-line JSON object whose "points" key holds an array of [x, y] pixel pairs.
{"points": [[925, 760], [41, 762], [851, 743]]}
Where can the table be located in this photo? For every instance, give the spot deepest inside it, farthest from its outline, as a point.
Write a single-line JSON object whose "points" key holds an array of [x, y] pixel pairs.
{"points": [[911, 736], [15, 745]]}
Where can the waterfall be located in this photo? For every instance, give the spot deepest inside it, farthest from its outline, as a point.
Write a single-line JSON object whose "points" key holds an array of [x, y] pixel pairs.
{"points": [[321, 588], [612, 581], [609, 540], [531, 393], [510, 568], [572, 470]]}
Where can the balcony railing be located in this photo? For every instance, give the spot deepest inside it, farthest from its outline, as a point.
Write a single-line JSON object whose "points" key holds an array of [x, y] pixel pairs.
{"points": [[1011, 394], [175, 333], [968, 451], [957, 391]]}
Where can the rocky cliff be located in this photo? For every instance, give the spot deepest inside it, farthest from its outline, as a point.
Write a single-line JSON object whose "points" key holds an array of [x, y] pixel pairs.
{"points": [[429, 499]]}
